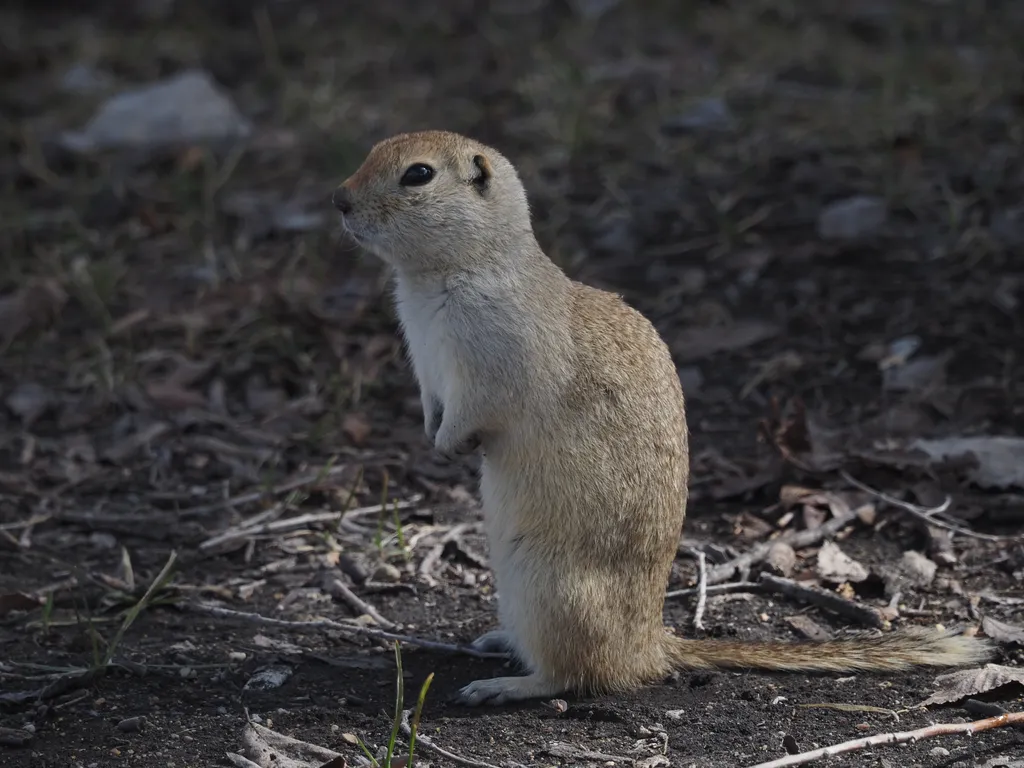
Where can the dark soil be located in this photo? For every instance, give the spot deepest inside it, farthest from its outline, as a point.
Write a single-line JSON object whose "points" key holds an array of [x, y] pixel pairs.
{"points": [[171, 364]]}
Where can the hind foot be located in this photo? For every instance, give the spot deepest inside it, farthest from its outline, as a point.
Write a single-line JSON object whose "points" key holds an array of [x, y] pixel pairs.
{"points": [[495, 641], [502, 690]]}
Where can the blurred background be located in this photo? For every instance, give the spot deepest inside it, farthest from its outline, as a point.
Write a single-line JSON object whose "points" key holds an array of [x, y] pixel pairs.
{"points": [[818, 203]]}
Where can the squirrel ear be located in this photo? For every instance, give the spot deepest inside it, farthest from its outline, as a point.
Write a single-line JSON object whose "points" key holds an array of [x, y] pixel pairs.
{"points": [[484, 172]]}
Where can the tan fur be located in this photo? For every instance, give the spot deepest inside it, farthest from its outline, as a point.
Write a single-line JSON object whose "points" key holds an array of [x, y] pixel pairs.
{"points": [[575, 401]]}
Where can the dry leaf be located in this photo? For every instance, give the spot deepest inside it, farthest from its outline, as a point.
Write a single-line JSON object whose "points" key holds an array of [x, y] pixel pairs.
{"points": [[36, 305], [804, 441], [918, 375], [781, 559], [913, 570], [807, 627], [129, 445], [17, 601], [751, 527], [269, 677], [836, 566], [1000, 460], [1003, 632], [173, 397], [697, 343], [971, 682], [357, 427], [29, 401], [263, 399], [270, 749]]}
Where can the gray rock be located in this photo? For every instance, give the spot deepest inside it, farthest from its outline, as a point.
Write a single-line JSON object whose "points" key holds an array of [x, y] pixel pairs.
{"points": [[691, 378], [266, 212], [81, 78], [1008, 226], [593, 9], [29, 401], [186, 108], [711, 114], [853, 218]]}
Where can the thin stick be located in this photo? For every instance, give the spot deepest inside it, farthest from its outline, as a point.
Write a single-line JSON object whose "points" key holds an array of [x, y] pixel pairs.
{"points": [[829, 600], [337, 588], [248, 498], [702, 588], [427, 742], [940, 729], [717, 589], [796, 539], [299, 521], [927, 514], [355, 629], [34, 520], [434, 555]]}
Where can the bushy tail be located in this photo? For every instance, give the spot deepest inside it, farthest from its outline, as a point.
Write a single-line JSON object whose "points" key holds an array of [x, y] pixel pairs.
{"points": [[902, 650]]}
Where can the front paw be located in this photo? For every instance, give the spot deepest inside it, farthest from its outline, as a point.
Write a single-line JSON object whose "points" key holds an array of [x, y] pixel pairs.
{"points": [[467, 446], [432, 417], [449, 445]]}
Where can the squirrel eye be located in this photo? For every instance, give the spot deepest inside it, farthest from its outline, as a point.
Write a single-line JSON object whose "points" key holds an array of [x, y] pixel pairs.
{"points": [[417, 175]]}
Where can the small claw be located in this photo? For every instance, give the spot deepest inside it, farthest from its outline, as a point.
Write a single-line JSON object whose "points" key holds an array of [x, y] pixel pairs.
{"points": [[479, 692]]}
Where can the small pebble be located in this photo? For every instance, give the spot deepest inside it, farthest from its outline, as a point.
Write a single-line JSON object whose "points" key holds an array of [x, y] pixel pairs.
{"points": [[387, 572], [131, 724], [852, 218], [939, 752]]}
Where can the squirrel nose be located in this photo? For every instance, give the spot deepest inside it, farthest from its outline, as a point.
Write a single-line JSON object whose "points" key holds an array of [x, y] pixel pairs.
{"points": [[342, 200]]}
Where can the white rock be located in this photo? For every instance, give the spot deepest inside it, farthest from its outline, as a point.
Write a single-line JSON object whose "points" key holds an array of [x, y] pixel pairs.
{"points": [[81, 78], [853, 218], [186, 108], [703, 115]]}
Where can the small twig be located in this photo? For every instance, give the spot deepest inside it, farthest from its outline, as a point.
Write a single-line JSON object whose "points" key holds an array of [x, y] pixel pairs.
{"points": [[434, 555], [427, 742], [32, 521], [940, 729], [248, 498], [299, 521], [717, 589], [823, 599], [355, 629], [796, 539], [335, 587], [927, 514], [702, 587]]}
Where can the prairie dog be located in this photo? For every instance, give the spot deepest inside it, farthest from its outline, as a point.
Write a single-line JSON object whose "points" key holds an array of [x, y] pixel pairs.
{"points": [[575, 401]]}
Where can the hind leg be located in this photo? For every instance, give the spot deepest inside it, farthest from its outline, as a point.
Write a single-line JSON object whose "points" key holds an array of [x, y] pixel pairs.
{"points": [[502, 690]]}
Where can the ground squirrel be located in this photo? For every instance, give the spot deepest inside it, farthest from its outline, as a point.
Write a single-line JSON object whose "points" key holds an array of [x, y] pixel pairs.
{"points": [[576, 404]]}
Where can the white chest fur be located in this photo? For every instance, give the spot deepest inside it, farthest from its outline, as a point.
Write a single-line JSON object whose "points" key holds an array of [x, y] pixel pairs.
{"points": [[428, 336]]}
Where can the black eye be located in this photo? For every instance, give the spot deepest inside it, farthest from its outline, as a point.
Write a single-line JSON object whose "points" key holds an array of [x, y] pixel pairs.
{"points": [[417, 175]]}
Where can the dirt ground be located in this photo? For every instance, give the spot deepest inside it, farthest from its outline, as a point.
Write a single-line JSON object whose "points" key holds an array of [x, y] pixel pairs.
{"points": [[194, 362]]}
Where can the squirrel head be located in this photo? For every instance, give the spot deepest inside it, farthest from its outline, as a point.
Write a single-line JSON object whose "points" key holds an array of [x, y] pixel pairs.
{"points": [[435, 201]]}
